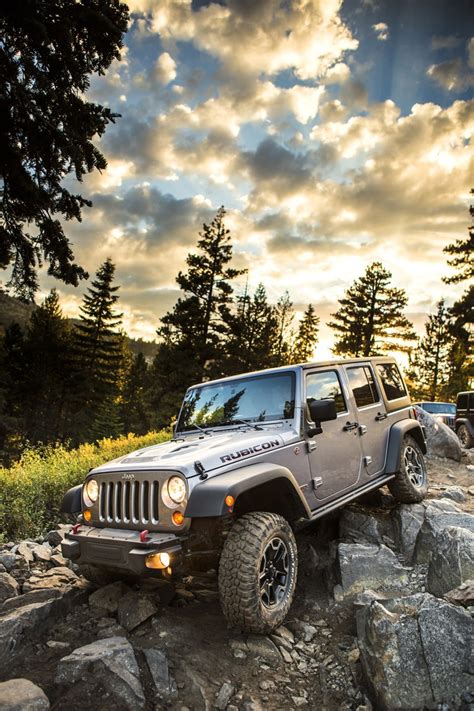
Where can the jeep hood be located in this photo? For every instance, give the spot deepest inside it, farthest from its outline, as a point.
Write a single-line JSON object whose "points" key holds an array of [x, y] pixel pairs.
{"points": [[212, 451]]}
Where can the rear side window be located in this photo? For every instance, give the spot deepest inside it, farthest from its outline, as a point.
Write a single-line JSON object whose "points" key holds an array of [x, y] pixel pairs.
{"points": [[324, 385], [462, 401], [362, 383], [392, 381]]}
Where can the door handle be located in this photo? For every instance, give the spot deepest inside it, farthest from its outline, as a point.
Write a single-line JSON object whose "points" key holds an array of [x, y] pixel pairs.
{"points": [[381, 416], [350, 426]]}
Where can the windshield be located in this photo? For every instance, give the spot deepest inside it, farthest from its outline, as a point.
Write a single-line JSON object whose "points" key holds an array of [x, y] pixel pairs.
{"points": [[261, 398], [445, 408]]}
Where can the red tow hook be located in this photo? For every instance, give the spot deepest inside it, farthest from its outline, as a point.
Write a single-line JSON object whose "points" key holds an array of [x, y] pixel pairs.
{"points": [[75, 528], [144, 536]]}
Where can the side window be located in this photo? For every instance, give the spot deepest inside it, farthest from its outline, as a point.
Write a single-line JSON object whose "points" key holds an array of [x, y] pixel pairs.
{"points": [[324, 385], [362, 383], [392, 381], [462, 402]]}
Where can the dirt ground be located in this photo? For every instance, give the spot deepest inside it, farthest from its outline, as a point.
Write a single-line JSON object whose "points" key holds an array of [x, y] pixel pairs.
{"points": [[321, 670]]}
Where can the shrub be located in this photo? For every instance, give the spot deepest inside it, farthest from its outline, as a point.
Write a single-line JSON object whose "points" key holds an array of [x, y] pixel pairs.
{"points": [[31, 491]]}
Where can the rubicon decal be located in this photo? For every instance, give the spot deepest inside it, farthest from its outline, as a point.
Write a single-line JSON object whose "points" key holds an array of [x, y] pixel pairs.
{"points": [[256, 449]]}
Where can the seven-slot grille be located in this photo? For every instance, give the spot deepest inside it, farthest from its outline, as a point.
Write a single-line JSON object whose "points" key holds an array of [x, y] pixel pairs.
{"points": [[135, 502]]}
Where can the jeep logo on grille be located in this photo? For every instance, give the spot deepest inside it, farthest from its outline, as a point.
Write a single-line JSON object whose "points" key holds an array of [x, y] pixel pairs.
{"points": [[128, 477]]}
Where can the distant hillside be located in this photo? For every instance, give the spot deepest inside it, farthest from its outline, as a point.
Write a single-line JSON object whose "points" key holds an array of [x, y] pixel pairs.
{"points": [[15, 311]]}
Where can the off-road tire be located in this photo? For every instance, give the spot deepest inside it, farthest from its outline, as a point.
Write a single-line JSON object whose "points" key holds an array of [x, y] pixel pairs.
{"points": [[239, 572], [465, 437], [403, 488]]}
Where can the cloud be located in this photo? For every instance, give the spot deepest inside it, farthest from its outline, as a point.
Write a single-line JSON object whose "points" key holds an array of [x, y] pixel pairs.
{"points": [[445, 42], [381, 31], [455, 74], [165, 69]]}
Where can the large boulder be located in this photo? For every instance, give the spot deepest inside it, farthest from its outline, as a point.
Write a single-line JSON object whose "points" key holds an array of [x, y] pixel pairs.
{"points": [[408, 520], [157, 662], [452, 561], [135, 608], [110, 663], [369, 567], [22, 695], [440, 439], [359, 527], [416, 652], [8, 586], [438, 516]]}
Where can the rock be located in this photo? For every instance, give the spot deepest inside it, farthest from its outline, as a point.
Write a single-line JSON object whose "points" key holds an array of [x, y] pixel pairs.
{"points": [[159, 670], [59, 560], [8, 586], [440, 439], [53, 578], [365, 567], [407, 520], [42, 553], [57, 644], [415, 651], [263, 647], [56, 537], [439, 515], [463, 595], [107, 598], [110, 662], [225, 694], [134, 608], [114, 630], [34, 596], [452, 561], [455, 493], [22, 695], [8, 560], [358, 527], [25, 551]]}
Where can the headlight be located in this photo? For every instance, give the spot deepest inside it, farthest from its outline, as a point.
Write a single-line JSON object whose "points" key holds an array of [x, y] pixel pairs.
{"points": [[91, 492], [173, 491]]}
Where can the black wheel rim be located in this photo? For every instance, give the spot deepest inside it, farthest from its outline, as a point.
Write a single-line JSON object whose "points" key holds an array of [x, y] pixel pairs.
{"points": [[414, 466], [274, 577]]}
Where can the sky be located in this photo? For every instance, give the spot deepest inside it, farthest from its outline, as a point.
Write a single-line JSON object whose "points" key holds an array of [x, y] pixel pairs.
{"points": [[334, 133]]}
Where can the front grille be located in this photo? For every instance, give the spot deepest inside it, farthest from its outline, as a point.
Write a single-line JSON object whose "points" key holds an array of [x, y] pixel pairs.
{"points": [[133, 502], [450, 421]]}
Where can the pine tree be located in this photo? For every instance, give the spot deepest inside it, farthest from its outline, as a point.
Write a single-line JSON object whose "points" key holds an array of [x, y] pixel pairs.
{"points": [[135, 412], [284, 314], [370, 319], [306, 337], [431, 365], [98, 354], [462, 253], [193, 333], [255, 335]]}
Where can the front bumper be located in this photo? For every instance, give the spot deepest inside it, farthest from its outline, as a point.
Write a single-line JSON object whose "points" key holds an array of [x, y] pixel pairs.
{"points": [[118, 549]]}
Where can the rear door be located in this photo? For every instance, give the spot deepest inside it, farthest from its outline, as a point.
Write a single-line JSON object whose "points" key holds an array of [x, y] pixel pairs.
{"points": [[371, 416], [334, 455]]}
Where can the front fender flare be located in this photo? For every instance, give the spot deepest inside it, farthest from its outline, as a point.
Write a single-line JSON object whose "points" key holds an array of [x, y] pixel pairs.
{"points": [[208, 498], [397, 433], [72, 500]]}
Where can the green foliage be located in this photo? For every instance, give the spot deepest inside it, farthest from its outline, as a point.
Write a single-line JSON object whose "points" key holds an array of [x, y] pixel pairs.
{"points": [[430, 367], [306, 338], [370, 319], [134, 408], [48, 52], [31, 491], [462, 253]]}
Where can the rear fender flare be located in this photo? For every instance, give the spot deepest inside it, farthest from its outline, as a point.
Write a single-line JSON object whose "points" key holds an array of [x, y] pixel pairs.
{"points": [[207, 499], [397, 433]]}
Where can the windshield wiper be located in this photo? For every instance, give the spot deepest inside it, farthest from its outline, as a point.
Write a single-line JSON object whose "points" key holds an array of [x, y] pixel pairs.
{"points": [[246, 422], [197, 427]]}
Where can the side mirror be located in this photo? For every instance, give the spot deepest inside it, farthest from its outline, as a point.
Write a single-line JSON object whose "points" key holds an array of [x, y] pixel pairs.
{"points": [[321, 411]]}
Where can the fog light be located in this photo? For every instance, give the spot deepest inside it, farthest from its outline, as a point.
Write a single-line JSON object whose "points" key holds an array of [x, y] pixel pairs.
{"points": [[229, 501], [178, 518], [87, 516], [158, 561]]}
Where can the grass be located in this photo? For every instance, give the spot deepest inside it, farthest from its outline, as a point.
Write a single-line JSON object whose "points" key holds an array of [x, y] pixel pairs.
{"points": [[31, 490]]}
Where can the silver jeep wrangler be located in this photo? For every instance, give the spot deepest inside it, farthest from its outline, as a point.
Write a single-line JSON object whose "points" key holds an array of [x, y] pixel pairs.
{"points": [[253, 457]]}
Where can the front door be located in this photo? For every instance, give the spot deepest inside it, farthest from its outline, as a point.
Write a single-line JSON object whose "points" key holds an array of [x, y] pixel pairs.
{"points": [[370, 415], [335, 454]]}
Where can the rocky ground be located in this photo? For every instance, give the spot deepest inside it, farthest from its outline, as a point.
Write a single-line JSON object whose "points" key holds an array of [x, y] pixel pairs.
{"points": [[382, 619]]}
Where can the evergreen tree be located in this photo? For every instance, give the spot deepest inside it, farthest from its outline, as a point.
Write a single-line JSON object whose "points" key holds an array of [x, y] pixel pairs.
{"points": [[462, 253], [99, 354], [48, 52], [306, 338], [193, 332], [284, 314], [430, 367], [370, 319], [135, 412], [255, 335], [12, 371]]}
